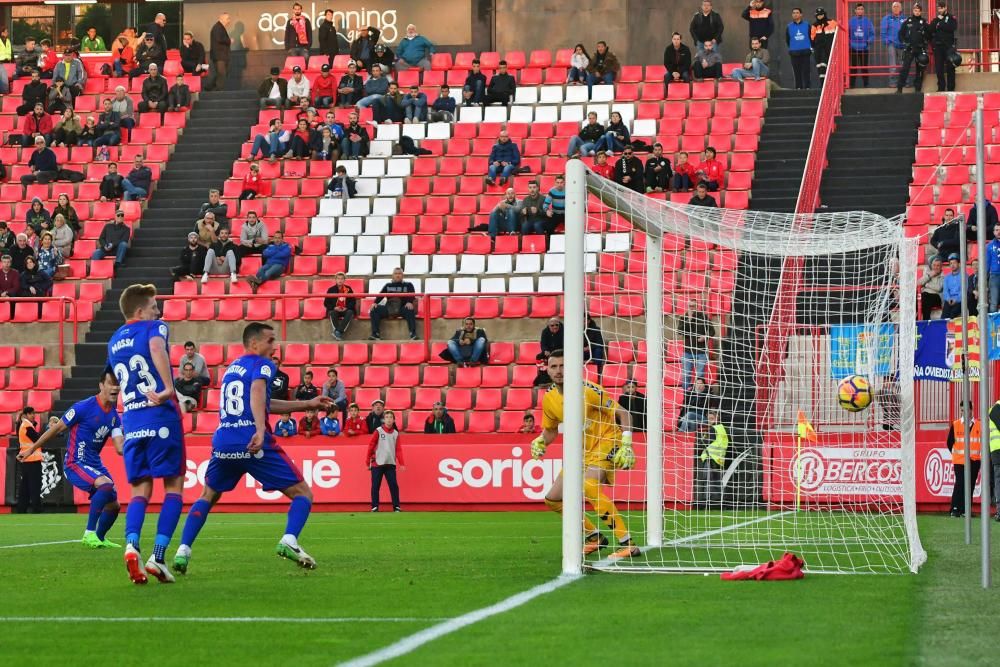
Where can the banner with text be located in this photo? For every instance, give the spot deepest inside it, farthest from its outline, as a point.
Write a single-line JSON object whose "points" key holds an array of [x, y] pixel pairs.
{"points": [[859, 349]]}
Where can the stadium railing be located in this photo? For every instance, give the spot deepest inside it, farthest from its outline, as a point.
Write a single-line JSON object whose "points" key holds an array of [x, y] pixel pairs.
{"points": [[60, 315]]}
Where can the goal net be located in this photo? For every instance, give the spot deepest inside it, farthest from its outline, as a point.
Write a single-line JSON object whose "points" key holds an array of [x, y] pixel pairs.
{"points": [[774, 352]]}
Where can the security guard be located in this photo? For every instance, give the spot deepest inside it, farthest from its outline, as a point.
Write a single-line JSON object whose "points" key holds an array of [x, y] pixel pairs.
{"points": [[995, 455], [822, 34], [30, 488], [761, 21], [713, 441], [942, 32], [956, 445], [913, 34]]}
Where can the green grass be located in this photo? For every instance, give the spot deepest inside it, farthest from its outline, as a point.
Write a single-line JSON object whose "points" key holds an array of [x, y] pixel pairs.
{"points": [[427, 567]]}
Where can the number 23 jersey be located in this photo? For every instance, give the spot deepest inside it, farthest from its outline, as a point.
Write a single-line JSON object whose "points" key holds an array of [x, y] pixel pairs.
{"points": [[131, 362], [236, 424]]}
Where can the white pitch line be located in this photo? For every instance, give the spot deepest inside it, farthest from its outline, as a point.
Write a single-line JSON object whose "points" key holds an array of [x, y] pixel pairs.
{"points": [[414, 641], [36, 544], [213, 619]]}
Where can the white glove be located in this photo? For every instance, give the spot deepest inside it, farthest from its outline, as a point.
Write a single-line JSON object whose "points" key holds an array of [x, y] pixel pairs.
{"points": [[538, 447]]}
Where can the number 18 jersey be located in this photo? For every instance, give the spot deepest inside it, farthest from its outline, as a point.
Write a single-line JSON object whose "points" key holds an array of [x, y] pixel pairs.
{"points": [[236, 424], [132, 364]]}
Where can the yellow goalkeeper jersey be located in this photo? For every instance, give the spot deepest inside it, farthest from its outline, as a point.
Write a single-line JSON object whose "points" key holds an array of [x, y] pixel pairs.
{"points": [[601, 433]]}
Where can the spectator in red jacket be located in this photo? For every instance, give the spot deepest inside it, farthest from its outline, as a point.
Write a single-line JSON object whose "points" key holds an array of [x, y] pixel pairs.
{"points": [[385, 452], [309, 425], [602, 167], [35, 124], [253, 184], [684, 173], [711, 171], [354, 424], [324, 89]]}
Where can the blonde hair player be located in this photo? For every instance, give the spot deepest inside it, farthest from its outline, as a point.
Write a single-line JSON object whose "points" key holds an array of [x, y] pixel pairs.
{"points": [[606, 447]]}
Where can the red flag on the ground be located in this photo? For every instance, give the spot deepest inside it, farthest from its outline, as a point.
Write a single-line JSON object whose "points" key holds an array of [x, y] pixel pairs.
{"points": [[788, 567]]}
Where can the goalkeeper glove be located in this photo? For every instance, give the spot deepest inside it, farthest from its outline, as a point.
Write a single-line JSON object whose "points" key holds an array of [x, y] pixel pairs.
{"points": [[538, 447], [623, 456]]}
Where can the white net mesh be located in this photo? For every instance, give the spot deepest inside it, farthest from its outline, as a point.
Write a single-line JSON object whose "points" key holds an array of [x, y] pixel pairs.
{"points": [[761, 315]]}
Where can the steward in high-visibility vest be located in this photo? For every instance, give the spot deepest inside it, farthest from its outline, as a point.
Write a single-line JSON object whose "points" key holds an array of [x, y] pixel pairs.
{"points": [[29, 490], [713, 440], [956, 444], [995, 454], [716, 449]]}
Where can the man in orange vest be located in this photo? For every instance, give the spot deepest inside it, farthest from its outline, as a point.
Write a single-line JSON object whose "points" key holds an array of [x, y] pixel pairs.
{"points": [[956, 445], [822, 34]]}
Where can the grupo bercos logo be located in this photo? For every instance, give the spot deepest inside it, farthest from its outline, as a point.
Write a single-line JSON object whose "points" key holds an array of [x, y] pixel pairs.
{"points": [[847, 471], [349, 22]]}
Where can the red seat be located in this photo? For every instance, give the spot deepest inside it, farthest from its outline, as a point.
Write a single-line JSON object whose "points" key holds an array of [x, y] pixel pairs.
{"points": [[384, 354], [30, 356], [426, 397], [486, 399], [501, 352], [468, 377], [376, 376], [354, 354], [398, 398]]}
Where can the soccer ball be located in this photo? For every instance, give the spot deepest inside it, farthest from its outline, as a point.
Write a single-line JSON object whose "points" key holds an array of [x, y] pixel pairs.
{"points": [[854, 393]]}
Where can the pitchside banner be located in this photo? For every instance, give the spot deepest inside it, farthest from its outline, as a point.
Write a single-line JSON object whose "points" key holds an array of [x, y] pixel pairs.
{"points": [[858, 349], [261, 25], [936, 474]]}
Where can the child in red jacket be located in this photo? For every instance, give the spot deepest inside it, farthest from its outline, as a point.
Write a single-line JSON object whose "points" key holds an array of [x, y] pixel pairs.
{"points": [[602, 167], [253, 184], [384, 454], [684, 173], [354, 424], [309, 425], [711, 171]]}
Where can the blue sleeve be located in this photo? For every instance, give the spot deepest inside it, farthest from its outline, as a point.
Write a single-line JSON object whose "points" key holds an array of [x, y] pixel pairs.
{"points": [[72, 416], [159, 329]]}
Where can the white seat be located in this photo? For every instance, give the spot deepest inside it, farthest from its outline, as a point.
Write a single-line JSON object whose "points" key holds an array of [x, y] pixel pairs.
{"points": [[348, 226], [571, 112], [417, 265], [617, 242], [472, 265], [358, 207], [499, 265], [644, 127], [527, 264], [465, 286], [603, 111], [437, 286], [331, 207], [376, 225], [415, 131], [322, 226], [396, 244], [557, 243], [520, 284], [590, 262], [444, 265], [341, 245], [626, 109], [554, 263], [526, 95], [439, 130], [369, 245], [384, 206], [399, 167], [387, 132], [360, 265], [576, 94], [550, 94], [550, 284], [493, 285], [522, 114], [367, 187], [379, 148], [386, 264], [373, 168], [390, 187], [353, 167], [546, 114], [375, 285], [592, 242], [470, 114], [495, 114], [603, 93]]}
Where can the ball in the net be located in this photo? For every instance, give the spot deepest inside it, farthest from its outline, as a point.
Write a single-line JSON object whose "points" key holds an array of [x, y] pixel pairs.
{"points": [[854, 393]]}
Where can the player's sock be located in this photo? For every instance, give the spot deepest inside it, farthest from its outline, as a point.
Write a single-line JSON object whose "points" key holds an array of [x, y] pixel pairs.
{"points": [[588, 526], [298, 514], [104, 494], [134, 517], [195, 521], [170, 514], [605, 509], [104, 523]]}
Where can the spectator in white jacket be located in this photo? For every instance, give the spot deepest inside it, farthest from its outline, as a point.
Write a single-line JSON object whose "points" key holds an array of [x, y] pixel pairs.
{"points": [[579, 62], [298, 86]]}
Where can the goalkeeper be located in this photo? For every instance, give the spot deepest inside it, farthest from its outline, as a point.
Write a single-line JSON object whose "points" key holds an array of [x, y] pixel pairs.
{"points": [[605, 448]]}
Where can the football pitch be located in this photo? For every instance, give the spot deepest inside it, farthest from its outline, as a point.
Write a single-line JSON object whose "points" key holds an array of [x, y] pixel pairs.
{"points": [[386, 577]]}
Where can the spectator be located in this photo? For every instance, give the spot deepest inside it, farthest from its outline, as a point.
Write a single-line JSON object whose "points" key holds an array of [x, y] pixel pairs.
{"points": [[197, 361], [298, 87], [354, 424], [272, 145], [503, 217], [273, 90], [149, 53], [552, 338], [6, 238], [862, 36], [658, 172], [220, 46], [946, 239], [307, 390], [629, 170], [139, 181], [60, 97], [89, 132], [474, 88], [49, 256], [889, 29], [706, 26], [415, 106], [374, 89], [34, 125], [67, 131], [298, 33], [707, 62], [71, 72], [951, 291], [439, 421], [555, 204], [192, 259], [329, 40], [603, 67], [443, 109], [6, 48], [755, 63], [335, 390], [385, 452], [62, 235], [350, 87], [114, 240], [341, 186], [253, 236], [677, 61], [414, 50], [384, 58], [585, 142], [279, 385], [711, 171], [37, 217], [972, 288], [276, 258], [635, 404], [193, 55], [702, 198], [504, 159], [47, 59], [35, 92], [932, 282], [286, 427], [822, 34], [469, 345], [578, 62], [616, 135], [501, 88], [220, 258], [301, 140], [324, 88], [991, 219], [109, 123], [34, 282], [122, 104], [325, 145], [695, 331], [42, 163], [10, 279], [188, 388], [363, 47], [20, 252], [179, 96], [698, 401], [531, 211], [374, 419], [602, 167], [340, 307], [942, 31], [395, 306], [528, 424], [123, 56], [155, 30], [761, 21], [111, 184], [713, 442], [92, 42], [26, 62], [593, 346], [216, 206], [329, 425], [389, 108], [798, 38], [33, 239]]}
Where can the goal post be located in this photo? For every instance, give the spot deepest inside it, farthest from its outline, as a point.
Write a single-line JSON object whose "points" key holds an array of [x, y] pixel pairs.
{"points": [[723, 478]]}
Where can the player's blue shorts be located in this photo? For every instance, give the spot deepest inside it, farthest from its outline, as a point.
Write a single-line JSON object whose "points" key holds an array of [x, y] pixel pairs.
{"points": [[82, 476], [155, 450], [271, 467]]}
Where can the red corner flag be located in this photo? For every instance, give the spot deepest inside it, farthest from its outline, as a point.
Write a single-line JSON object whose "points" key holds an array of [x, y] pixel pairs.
{"points": [[806, 430]]}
